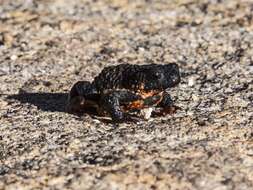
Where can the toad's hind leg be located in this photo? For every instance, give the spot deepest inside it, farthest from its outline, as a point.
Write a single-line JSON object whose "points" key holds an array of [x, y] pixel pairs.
{"points": [[81, 95]]}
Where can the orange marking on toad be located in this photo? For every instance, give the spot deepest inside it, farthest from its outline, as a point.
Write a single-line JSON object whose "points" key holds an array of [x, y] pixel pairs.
{"points": [[138, 104], [145, 94]]}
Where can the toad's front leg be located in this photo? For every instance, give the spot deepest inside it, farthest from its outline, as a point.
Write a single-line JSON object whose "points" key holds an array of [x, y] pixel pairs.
{"points": [[111, 103], [167, 106]]}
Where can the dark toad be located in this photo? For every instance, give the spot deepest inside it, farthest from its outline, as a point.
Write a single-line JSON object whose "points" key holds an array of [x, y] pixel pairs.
{"points": [[125, 88]]}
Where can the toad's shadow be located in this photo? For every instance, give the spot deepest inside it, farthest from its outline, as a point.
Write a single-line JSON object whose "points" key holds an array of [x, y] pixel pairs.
{"points": [[56, 102], [52, 102]]}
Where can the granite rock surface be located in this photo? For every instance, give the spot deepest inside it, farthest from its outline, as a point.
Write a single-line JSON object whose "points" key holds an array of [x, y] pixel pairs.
{"points": [[47, 45]]}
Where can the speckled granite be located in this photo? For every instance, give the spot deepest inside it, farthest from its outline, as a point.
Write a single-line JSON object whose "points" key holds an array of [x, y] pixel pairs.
{"points": [[46, 46]]}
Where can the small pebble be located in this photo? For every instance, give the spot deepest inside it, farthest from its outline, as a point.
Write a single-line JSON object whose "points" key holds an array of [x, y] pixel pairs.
{"points": [[191, 81], [146, 113], [14, 57]]}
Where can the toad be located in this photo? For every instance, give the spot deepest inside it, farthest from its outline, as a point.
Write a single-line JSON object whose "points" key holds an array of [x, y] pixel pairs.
{"points": [[126, 88]]}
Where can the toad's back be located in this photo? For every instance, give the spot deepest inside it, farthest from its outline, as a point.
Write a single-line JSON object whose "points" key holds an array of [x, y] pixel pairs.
{"points": [[124, 76]]}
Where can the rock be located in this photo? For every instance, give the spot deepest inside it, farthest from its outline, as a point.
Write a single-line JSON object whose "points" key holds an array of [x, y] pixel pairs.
{"points": [[46, 46]]}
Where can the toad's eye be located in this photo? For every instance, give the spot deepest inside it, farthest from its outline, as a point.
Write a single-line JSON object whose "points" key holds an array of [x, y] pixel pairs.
{"points": [[158, 75]]}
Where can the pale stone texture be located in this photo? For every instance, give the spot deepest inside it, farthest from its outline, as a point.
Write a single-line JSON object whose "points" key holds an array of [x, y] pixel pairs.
{"points": [[46, 46]]}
